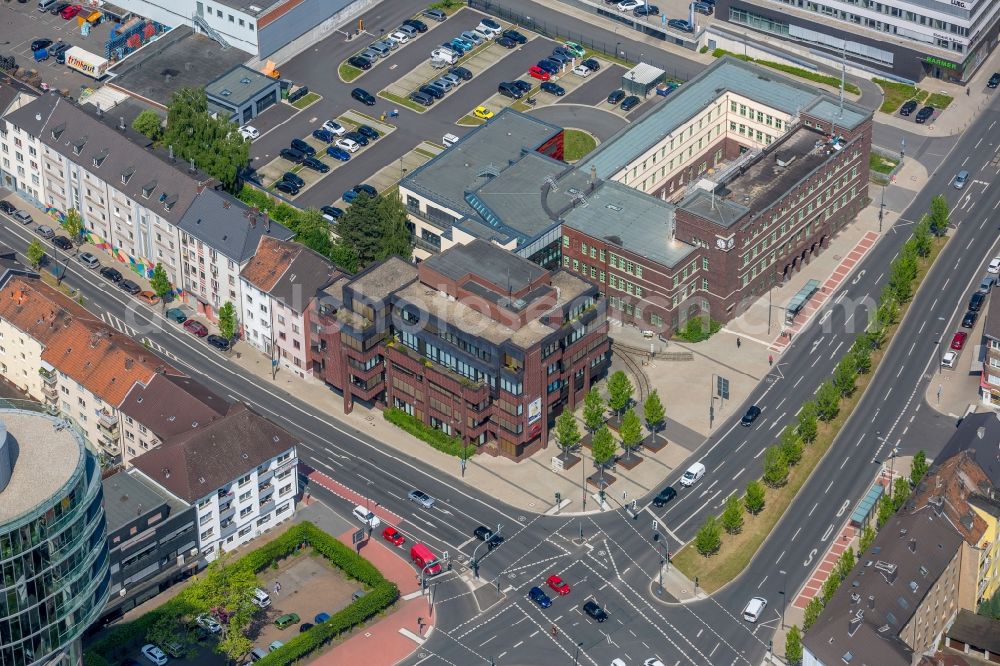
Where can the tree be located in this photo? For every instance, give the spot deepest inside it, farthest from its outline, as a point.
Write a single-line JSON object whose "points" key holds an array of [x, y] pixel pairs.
{"points": [[344, 256], [732, 515], [653, 411], [620, 391], [884, 511], [902, 272], [775, 467], [149, 124], [73, 224], [990, 607], [846, 563], [228, 591], [35, 253], [214, 144], [754, 499], [361, 229], [793, 646], [862, 360], [593, 410], [630, 430], [845, 376], [939, 215], [227, 321], [918, 468], [567, 432], [808, 426], [160, 282], [887, 313], [234, 644], [922, 236], [394, 237], [603, 448], [867, 536], [900, 492], [791, 445], [827, 401], [812, 611], [708, 541], [313, 231], [170, 630]]}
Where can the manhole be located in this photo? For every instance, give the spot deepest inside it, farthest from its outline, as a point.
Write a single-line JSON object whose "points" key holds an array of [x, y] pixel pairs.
{"points": [[522, 518]]}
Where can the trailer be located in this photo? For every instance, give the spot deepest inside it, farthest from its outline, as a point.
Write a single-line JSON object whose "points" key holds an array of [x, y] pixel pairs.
{"points": [[86, 62]]}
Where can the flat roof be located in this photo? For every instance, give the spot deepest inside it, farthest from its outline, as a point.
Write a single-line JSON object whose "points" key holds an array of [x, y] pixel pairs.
{"points": [[490, 262], [384, 278], [128, 495], [644, 74], [239, 85], [46, 454], [752, 81], [632, 220]]}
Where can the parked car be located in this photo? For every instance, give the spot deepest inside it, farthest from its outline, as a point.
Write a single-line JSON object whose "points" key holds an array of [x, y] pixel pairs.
{"points": [[130, 287], [196, 328], [431, 91], [209, 623], [332, 213], [925, 114], [305, 626], [45, 231], [592, 64], [630, 103], [646, 10], [349, 196], [349, 145], [321, 618], [292, 155], [88, 260], [994, 80], [508, 89], [399, 36], [421, 98], [287, 620], [436, 14], [665, 496], [987, 283], [969, 320], [507, 43], [459, 46], [537, 72], [594, 610], [948, 359], [419, 25], [752, 413], [976, 301], [40, 44], [462, 72], [553, 88], [626, 5], [522, 85], [111, 274], [550, 66], [994, 266], [558, 585], [219, 342], [705, 8], [357, 138], [367, 189], [680, 24], [575, 49], [616, 96], [287, 187], [560, 57], [471, 36], [249, 132], [359, 62], [176, 315], [581, 71], [338, 153], [453, 79], [539, 597], [333, 127], [482, 113], [70, 11], [514, 36], [149, 297], [154, 654], [302, 147], [324, 135], [7, 207], [363, 96], [23, 216], [958, 340], [315, 164], [908, 107], [62, 242], [489, 25], [392, 535], [368, 132], [294, 179]]}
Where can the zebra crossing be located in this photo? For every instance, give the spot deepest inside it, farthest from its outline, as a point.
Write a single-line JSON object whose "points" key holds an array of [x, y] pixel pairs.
{"points": [[120, 326]]}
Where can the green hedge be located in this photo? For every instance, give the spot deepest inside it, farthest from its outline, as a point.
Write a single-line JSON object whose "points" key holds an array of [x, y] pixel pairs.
{"points": [[436, 438], [800, 72], [121, 640]]}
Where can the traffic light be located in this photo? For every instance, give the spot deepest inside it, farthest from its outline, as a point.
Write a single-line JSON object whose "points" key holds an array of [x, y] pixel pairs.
{"points": [[670, 556], [558, 498], [656, 536], [600, 494], [475, 567]]}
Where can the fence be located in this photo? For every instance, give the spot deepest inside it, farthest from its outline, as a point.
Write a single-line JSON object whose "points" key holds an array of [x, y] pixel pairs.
{"points": [[610, 50]]}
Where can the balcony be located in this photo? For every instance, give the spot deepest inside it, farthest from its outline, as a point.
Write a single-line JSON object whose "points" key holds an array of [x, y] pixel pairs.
{"points": [[107, 422], [48, 376]]}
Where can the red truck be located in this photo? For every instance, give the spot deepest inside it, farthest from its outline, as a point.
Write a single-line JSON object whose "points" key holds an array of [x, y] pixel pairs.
{"points": [[425, 559]]}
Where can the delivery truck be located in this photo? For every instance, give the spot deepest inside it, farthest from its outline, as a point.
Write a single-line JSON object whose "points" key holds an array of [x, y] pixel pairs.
{"points": [[86, 62]]}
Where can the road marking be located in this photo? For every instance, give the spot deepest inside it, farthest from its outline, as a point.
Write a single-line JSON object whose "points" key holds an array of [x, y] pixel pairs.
{"points": [[759, 453], [826, 535], [845, 462], [780, 556], [797, 381], [837, 349], [738, 473], [887, 394], [796, 534], [777, 421], [828, 488], [812, 509]]}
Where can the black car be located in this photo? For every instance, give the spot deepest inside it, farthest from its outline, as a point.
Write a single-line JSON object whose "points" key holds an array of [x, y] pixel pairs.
{"points": [[515, 36], [680, 24], [368, 132], [219, 342], [421, 98], [129, 286], [553, 88], [294, 178], [305, 626], [482, 533], [646, 10], [560, 58], [62, 242], [292, 155], [508, 89], [994, 81], [40, 44], [593, 610], [750, 416], [431, 91], [58, 8], [924, 114], [461, 72], [315, 165], [287, 187], [299, 93], [591, 64], [303, 147], [976, 302], [7, 207], [359, 62], [616, 96], [357, 137], [416, 24], [363, 96], [630, 103], [550, 66], [664, 496], [522, 85], [366, 188], [111, 274], [969, 320], [332, 212], [507, 43], [908, 107]]}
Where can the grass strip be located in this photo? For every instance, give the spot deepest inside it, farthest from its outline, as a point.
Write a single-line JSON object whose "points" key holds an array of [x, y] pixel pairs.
{"points": [[403, 101], [349, 72], [470, 121], [576, 144], [800, 72], [309, 99], [881, 164], [940, 100], [894, 94]]}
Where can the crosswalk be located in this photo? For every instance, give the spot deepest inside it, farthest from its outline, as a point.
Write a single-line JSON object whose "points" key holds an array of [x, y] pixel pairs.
{"points": [[120, 326]]}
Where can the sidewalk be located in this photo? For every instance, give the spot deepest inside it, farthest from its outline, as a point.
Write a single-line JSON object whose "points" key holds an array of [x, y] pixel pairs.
{"points": [[955, 391]]}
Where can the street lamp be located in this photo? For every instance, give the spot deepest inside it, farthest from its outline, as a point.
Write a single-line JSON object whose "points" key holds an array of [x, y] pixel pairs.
{"points": [[902, 148], [881, 208], [784, 596]]}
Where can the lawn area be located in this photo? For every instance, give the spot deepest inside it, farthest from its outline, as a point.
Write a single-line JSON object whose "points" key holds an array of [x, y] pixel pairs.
{"points": [[800, 72], [940, 100], [308, 100], [403, 101], [881, 164], [737, 550], [349, 72], [576, 144], [894, 94], [470, 121], [449, 7]]}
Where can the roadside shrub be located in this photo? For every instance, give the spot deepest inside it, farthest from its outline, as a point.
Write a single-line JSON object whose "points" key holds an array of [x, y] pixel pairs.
{"points": [[444, 443]]}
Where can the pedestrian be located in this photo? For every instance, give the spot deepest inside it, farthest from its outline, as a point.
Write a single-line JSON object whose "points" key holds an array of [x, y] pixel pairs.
{"points": [[555, 632], [770, 360], [967, 93], [738, 343]]}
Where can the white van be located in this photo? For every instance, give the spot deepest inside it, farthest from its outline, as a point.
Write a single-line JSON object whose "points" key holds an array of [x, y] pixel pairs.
{"points": [[444, 54], [366, 517], [753, 610], [449, 140], [261, 598], [693, 473]]}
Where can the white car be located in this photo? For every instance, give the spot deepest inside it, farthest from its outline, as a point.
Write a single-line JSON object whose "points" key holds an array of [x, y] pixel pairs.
{"points": [[349, 145], [618, 662], [626, 5], [693, 473], [249, 132], [582, 70], [400, 37], [366, 517], [753, 610], [208, 623], [489, 27], [154, 654], [334, 127], [994, 266], [652, 661], [949, 358]]}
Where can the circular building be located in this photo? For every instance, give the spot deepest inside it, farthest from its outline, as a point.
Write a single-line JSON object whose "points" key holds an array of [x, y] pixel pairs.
{"points": [[54, 575]]}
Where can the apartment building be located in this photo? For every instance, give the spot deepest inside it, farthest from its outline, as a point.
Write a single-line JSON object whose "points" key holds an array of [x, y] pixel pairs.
{"points": [[989, 382], [239, 472], [910, 39], [475, 341], [278, 286], [14, 158]]}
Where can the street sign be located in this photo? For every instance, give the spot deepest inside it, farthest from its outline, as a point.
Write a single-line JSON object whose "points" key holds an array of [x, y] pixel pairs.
{"points": [[722, 387], [358, 536]]}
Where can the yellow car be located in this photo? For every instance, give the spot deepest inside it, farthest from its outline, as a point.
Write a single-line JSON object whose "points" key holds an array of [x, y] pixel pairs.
{"points": [[482, 112]]}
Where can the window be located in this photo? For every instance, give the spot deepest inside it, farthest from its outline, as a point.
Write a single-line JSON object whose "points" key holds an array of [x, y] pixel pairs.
{"points": [[246, 511], [245, 496], [244, 481]]}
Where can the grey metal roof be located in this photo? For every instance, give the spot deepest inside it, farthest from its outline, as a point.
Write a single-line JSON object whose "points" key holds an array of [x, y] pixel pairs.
{"points": [[485, 151], [727, 73], [723, 212], [487, 261], [239, 85], [479, 229], [991, 328], [128, 496], [225, 224], [632, 220], [32, 116], [644, 74]]}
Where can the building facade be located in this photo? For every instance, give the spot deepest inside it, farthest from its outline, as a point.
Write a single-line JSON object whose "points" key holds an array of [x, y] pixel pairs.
{"points": [[989, 382], [910, 39], [477, 342], [55, 575]]}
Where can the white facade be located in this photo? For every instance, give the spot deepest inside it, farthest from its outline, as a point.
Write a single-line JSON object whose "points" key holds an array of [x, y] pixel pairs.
{"points": [[248, 506], [209, 275], [276, 330], [19, 158], [238, 28], [255, 314]]}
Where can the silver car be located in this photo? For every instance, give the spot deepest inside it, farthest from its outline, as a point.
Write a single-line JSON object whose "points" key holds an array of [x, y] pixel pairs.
{"points": [[421, 498], [453, 79], [45, 231]]}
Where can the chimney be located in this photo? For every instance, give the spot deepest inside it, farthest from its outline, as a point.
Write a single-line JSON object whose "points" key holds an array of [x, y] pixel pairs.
{"points": [[593, 174], [129, 362], [267, 223], [121, 123], [981, 432], [201, 186]]}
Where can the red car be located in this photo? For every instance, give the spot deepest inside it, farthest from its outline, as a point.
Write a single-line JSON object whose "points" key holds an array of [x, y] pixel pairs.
{"points": [[392, 535], [195, 327], [958, 341], [538, 73], [71, 11], [557, 584]]}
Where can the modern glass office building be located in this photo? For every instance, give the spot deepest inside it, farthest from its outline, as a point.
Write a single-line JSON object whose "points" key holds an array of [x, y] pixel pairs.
{"points": [[54, 575]]}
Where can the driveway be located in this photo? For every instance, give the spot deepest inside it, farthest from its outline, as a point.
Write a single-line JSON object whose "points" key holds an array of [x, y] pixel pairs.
{"points": [[598, 122]]}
